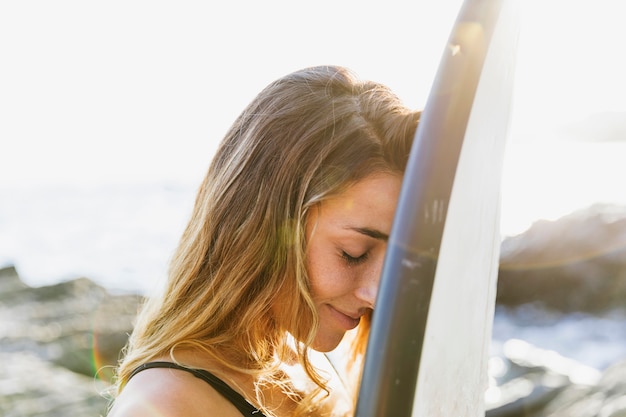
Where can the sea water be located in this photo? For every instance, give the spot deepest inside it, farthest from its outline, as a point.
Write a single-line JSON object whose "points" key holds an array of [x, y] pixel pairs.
{"points": [[120, 236]]}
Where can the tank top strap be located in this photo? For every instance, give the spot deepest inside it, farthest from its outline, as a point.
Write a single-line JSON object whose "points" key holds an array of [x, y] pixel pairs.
{"points": [[220, 386]]}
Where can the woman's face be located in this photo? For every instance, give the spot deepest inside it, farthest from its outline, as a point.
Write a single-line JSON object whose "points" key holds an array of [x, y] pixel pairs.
{"points": [[346, 243]]}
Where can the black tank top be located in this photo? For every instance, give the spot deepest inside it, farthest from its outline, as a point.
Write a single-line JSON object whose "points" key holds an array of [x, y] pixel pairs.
{"points": [[220, 386]]}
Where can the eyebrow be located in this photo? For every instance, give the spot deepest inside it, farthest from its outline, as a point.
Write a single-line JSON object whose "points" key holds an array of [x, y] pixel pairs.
{"points": [[376, 234]]}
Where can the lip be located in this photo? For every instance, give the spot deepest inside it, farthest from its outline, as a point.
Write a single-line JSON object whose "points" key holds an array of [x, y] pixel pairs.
{"points": [[345, 321]]}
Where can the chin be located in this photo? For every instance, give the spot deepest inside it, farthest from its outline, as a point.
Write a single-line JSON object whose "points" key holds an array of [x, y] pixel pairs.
{"points": [[326, 344]]}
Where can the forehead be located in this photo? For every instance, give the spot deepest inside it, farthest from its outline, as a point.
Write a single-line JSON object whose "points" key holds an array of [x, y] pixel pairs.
{"points": [[370, 202]]}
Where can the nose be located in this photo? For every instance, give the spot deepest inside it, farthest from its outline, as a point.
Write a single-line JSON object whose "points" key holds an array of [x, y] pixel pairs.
{"points": [[368, 295], [367, 288]]}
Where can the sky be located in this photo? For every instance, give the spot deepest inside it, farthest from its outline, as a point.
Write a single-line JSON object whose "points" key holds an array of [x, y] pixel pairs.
{"points": [[131, 91], [145, 89], [570, 72]]}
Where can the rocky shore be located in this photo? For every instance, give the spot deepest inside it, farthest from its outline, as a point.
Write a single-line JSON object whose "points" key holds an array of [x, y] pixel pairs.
{"points": [[59, 343], [576, 264]]}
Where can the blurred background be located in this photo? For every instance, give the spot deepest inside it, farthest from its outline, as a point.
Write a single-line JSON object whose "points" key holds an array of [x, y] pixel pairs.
{"points": [[110, 113]]}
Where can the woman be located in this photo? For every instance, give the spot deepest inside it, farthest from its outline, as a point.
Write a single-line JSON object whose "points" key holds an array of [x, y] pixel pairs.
{"points": [[280, 259]]}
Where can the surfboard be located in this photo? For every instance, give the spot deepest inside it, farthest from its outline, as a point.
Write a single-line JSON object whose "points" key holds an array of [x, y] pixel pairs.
{"points": [[431, 330]]}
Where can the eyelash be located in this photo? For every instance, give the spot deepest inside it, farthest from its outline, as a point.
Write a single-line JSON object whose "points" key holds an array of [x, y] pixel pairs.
{"points": [[351, 260]]}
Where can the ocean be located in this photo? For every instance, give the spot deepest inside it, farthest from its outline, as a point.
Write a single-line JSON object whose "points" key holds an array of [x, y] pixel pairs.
{"points": [[122, 237]]}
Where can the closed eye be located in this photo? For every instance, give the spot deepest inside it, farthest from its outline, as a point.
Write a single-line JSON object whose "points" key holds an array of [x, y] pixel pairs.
{"points": [[354, 260]]}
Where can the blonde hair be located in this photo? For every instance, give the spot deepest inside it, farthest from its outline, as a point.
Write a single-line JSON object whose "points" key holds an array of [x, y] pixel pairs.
{"points": [[237, 282]]}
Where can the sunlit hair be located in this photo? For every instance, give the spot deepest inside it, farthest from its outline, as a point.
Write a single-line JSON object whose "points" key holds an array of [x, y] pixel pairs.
{"points": [[237, 282]]}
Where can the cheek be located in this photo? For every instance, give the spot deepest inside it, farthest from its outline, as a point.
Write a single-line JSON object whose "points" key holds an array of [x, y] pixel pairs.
{"points": [[328, 278]]}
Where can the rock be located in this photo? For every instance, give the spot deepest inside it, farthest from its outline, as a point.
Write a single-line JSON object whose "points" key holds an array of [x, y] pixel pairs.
{"points": [[59, 345], [527, 379], [10, 281], [30, 386], [69, 339], [75, 324], [576, 263], [605, 399]]}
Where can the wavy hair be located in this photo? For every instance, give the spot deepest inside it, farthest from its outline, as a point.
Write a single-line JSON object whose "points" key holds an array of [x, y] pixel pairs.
{"points": [[238, 284]]}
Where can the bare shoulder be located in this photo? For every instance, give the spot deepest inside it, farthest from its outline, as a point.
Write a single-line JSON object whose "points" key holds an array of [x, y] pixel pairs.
{"points": [[170, 393]]}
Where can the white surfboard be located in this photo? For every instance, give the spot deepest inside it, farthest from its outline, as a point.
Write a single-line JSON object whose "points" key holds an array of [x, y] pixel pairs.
{"points": [[431, 330]]}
